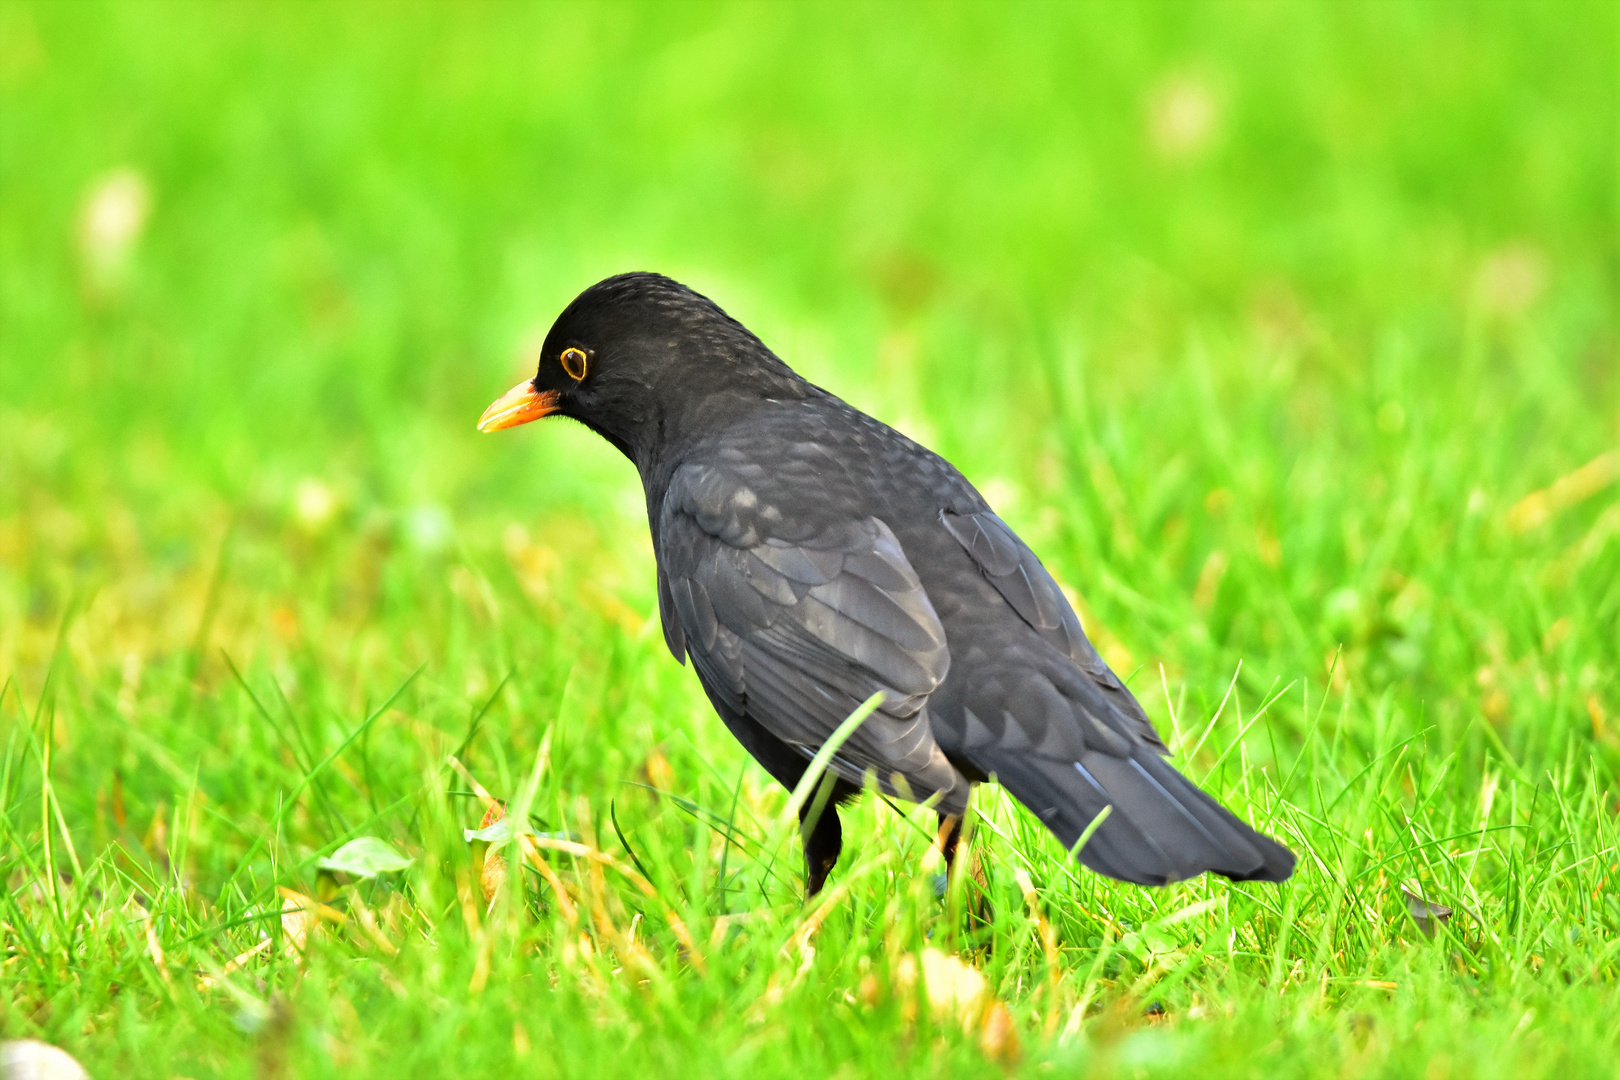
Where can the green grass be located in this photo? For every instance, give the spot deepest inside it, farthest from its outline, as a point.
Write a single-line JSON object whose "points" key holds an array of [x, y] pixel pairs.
{"points": [[1287, 335]]}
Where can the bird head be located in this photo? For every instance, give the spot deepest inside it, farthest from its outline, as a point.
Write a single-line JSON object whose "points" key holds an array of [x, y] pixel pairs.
{"points": [[638, 357]]}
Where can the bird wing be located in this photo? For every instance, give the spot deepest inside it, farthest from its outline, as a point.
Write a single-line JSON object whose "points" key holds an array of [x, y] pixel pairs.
{"points": [[1025, 584], [1067, 739], [796, 625]]}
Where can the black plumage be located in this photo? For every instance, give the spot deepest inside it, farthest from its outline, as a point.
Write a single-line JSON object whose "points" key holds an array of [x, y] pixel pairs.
{"points": [[809, 556]]}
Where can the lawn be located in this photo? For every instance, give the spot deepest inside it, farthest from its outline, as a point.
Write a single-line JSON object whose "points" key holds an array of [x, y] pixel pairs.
{"points": [[1287, 335]]}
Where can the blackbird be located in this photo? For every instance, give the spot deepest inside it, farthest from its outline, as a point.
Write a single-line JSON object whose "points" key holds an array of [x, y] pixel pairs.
{"points": [[810, 556]]}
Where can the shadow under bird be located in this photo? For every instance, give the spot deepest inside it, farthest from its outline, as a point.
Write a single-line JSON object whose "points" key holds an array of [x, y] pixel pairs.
{"points": [[810, 556]]}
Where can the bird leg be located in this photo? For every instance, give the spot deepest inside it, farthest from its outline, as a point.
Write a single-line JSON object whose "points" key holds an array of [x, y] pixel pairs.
{"points": [[823, 837], [976, 903], [950, 831]]}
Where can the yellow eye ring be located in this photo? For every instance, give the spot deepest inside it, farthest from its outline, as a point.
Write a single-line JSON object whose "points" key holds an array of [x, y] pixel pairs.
{"points": [[573, 362]]}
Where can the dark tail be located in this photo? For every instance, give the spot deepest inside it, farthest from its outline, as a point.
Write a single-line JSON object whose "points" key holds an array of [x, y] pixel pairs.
{"points": [[1161, 829]]}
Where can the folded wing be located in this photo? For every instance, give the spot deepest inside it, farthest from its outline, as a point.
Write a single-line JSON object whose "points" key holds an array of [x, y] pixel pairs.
{"points": [[795, 626]]}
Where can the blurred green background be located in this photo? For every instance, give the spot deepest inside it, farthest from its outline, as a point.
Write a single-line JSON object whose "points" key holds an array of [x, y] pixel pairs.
{"points": [[1286, 333], [1351, 267]]}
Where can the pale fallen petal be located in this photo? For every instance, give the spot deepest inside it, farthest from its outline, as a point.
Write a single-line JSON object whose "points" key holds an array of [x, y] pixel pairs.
{"points": [[30, 1059]]}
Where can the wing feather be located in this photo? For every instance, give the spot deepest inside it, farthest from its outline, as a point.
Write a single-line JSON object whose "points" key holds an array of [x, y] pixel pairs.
{"points": [[1009, 565], [797, 634]]}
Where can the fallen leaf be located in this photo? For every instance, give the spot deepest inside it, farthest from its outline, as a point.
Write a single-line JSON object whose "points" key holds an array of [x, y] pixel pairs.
{"points": [[497, 832], [658, 772], [1425, 913], [957, 991], [493, 874], [366, 857], [500, 832], [302, 917]]}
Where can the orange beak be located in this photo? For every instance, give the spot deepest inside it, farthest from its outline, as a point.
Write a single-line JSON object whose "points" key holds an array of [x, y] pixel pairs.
{"points": [[517, 406]]}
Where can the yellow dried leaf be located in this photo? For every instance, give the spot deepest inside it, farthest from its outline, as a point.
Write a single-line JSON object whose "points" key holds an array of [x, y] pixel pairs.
{"points": [[957, 992], [301, 916], [493, 875], [658, 771]]}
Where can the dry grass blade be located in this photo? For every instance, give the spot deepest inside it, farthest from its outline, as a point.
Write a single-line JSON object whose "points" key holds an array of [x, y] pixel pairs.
{"points": [[1539, 507], [1049, 947]]}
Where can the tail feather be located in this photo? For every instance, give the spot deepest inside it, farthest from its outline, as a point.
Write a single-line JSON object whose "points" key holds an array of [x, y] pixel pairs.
{"points": [[1161, 829], [1067, 804]]}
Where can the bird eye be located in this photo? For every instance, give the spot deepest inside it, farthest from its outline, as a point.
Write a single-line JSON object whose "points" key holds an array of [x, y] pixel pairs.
{"points": [[573, 362]]}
